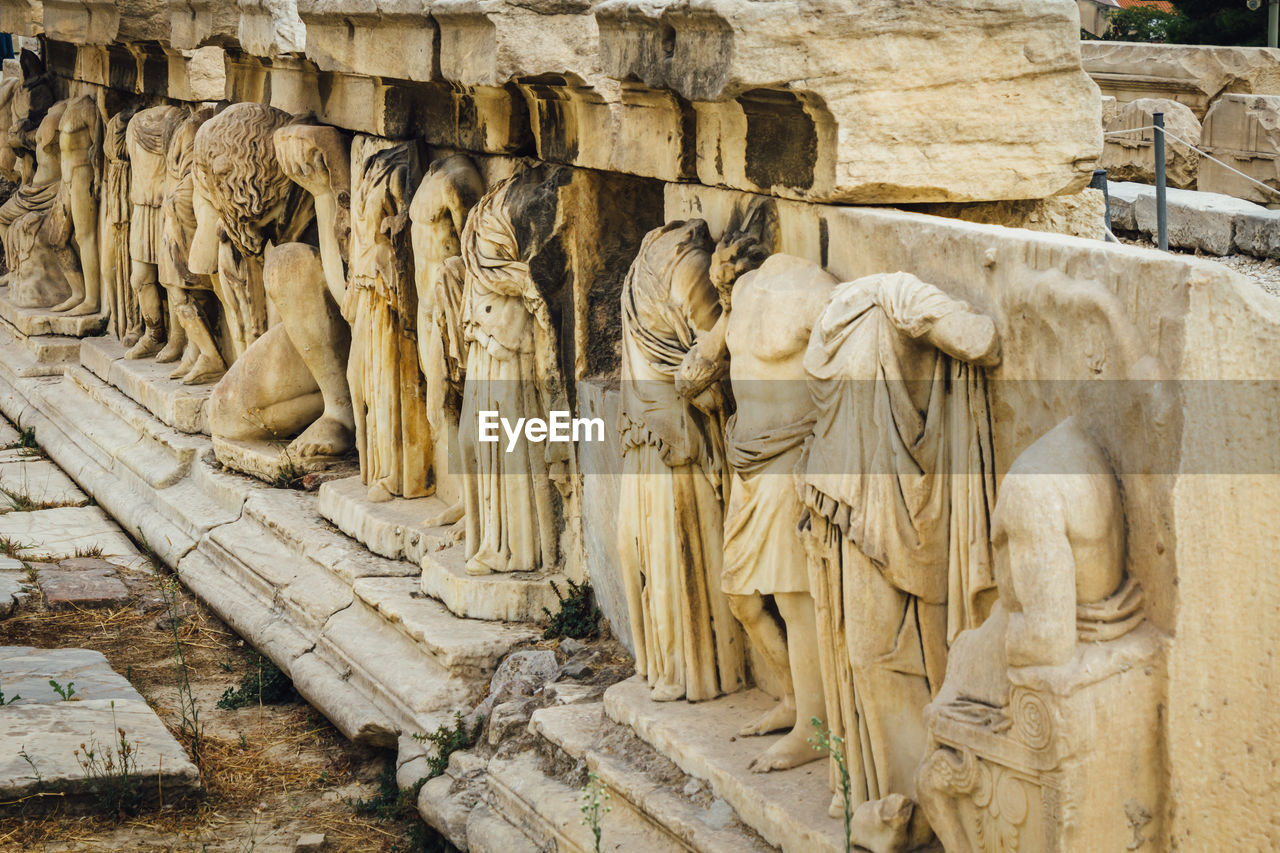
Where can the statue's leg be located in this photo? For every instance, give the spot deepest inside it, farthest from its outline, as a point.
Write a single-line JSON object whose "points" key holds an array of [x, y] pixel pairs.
{"points": [[808, 696], [294, 280], [207, 364], [766, 637], [142, 279], [267, 395], [84, 217], [177, 343]]}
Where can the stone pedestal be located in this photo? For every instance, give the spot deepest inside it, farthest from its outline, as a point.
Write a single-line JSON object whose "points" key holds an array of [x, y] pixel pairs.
{"points": [[1243, 131]]}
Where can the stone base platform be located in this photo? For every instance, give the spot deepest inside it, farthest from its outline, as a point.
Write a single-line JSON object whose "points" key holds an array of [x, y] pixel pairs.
{"points": [[147, 384], [398, 529], [351, 628], [41, 321], [787, 808], [42, 355], [272, 462], [49, 731]]}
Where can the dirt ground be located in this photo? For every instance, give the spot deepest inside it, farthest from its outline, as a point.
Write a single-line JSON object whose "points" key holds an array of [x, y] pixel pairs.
{"points": [[271, 772]]}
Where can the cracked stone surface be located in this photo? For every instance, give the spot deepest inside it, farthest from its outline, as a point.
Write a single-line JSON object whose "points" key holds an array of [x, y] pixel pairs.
{"points": [[38, 480], [64, 531], [83, 582], [50, 731]]}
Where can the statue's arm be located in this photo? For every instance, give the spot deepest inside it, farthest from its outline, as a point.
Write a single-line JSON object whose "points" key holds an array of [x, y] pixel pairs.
{"points": [[1043, 571]]}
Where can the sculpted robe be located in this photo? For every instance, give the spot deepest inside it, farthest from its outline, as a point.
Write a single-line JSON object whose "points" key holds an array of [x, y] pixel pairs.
{"points": [[670, 517], [899, 486]]}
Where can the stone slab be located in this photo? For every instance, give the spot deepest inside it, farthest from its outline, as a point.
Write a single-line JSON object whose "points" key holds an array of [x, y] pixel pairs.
{"points": [[457, 644], [50, 731], [395, 529], [148, 384], [83, 583], [709, 827], [13, 585], [270, 462], [61, 532], [1210, 222], [39, 480], [788, 807], [506, 597], [42, 355], [8, 434], [41, 321]]}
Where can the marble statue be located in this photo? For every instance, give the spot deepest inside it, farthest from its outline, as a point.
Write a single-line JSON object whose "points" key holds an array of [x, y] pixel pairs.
{"points": [[438, 214], [243, 201], [192, 297], [511, 511], [80, 149], [292, 380], [897, 484], [113, 220], [30, 103], [388, 392], [9, 88], [1018, 744], [147, 140], [670, 516], [39, 263], [773, 311]]}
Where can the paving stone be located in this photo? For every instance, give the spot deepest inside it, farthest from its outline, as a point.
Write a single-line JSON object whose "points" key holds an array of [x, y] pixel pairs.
{"points": [[39, 480], [12, 585], [50, 731], [81, 583], [8, 433], [63, 531]]}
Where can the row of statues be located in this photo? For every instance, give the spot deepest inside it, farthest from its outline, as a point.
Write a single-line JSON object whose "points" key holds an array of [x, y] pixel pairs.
{"points": [[808, 483], [808, 495]]}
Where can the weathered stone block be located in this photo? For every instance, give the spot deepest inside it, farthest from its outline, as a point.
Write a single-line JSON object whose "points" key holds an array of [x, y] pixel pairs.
{"points": [[384, 38], [1129, 150], [1243, 131], [992, 103], [1195, 75], [1204, 221]]}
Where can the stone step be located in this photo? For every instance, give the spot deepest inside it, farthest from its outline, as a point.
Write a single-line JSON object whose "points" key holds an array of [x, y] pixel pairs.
{"points": [[788, 808], [41, 355], [396, 529], [549, 812], [147, 384], [696, 821]]}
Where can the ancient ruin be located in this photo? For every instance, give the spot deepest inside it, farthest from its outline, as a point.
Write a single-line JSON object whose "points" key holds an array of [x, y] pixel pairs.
{"points": [[776, 351]]}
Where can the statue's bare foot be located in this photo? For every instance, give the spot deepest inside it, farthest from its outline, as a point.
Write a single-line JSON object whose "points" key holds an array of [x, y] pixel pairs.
{"points": [[325, 437], [172, 351], [70, 302], [458, 531], [84, 309], [148, 344], [779, 717], [792, 750], [666, 692], [204, 371], [836, 807], [445, 516], [379, 494]]}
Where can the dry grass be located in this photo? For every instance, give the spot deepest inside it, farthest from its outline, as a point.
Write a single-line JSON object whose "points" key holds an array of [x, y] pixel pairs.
{"points": [[271, 773]]}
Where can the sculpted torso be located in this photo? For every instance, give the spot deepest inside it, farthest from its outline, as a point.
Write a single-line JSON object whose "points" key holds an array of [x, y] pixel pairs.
{"points": [[774, 309]]}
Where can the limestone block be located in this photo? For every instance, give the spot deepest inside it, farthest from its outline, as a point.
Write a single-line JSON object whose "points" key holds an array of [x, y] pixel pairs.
{"points": [[198, 75], [39, 480], [493, 42], [1204, 221], [1081, 214], [992, 105], [1129, 151], [601, 464], [1124, 196], [148, 384], [1195, 75], [1258, 233], [271, 27], [22, 18], [63, 531], [42, 321], [383, 38], [193, 23], [49, 731], [1243, 131], [106, 21]]}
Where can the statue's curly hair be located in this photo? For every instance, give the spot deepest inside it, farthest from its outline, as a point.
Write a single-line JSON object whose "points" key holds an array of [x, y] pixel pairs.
{"points": [[235, 165]]}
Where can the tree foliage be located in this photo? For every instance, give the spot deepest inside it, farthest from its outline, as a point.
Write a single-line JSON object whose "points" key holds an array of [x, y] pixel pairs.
{"points": [[1140, 24], [1225, 22]]}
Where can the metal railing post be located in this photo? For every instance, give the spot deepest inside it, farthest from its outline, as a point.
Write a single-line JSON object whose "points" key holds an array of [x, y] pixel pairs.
{"points": [[1099, 182], [1162, 211]]}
